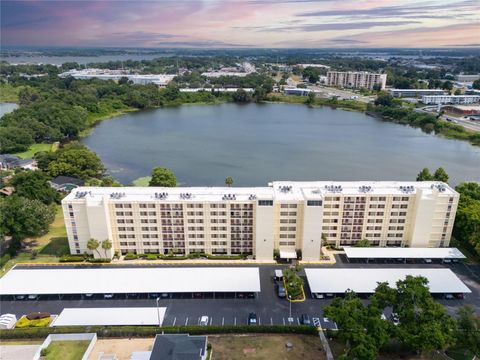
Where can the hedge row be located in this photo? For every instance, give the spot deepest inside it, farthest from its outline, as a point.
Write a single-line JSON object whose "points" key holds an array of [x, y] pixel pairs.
{"points": [[151, 331], [82, 258]]}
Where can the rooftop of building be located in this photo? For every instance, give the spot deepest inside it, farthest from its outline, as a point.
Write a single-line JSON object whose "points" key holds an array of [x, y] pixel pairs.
{"points": [[278, 190]]}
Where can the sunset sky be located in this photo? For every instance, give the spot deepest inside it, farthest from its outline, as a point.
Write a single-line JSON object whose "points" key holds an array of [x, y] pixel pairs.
{"points": [[241, 23]]}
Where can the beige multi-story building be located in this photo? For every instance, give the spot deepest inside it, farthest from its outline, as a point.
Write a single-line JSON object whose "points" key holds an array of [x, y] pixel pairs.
{"points": [[356, 79], [285, 217]]}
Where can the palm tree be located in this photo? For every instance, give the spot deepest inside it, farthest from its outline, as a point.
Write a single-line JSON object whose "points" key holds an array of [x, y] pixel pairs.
{"points": [[106, 245], [93, 245], [229, 181]]}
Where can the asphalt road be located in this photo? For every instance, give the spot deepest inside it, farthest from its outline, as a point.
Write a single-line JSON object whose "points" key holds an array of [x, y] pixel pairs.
{"points": [[269, 308]]}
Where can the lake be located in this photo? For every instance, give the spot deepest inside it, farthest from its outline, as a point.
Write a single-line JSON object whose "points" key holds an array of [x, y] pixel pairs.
{"points": [[256, 144], [59, 60]]}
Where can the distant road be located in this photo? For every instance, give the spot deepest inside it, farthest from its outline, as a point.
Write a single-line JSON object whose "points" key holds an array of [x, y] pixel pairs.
{"points": [[467, 124]]}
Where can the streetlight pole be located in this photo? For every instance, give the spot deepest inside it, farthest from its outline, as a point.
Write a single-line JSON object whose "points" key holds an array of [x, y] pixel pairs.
{"points": [[158, 312], [290, 319]]}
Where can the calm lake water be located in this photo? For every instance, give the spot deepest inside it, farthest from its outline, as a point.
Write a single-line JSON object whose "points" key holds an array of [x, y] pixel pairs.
{"points": [[256, 144], [5, 108]]}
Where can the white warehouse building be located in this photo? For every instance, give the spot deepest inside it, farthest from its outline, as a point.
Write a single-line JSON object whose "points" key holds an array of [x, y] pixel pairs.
{"points": [[284, 217], [450, 99]]}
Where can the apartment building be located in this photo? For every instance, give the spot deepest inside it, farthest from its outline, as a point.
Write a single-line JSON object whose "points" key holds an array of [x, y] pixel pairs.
{"points": [[356, 80], [415, 92], [285, 217], [450, 99]]}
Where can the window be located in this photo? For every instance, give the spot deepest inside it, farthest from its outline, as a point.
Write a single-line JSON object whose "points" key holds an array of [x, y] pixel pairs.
{"points": [[314, 202], [265, 202]]}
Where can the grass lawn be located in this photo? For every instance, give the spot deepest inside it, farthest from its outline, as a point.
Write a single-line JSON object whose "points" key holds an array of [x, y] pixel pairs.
{"points": [[57, 230], [33, 149], [66, 350], [141, 181], [265, 347]]}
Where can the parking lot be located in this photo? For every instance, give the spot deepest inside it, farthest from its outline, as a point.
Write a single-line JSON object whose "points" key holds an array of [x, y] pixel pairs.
{"points": [[269, 308]]}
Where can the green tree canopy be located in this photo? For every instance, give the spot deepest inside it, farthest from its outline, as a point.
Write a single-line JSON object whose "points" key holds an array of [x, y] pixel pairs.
{"points": [[21, 217], [440, 175], [77, 161], [468, 329], [363, 243], [466, 228], [424, 175], [163, 177], [34, 185], [229, 181]]}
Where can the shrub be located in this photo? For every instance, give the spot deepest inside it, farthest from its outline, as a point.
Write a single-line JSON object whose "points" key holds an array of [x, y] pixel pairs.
{"points": [[142, 256], [152, 256], [72, 258], [225, 257], [44, 352], [36, 323], [131, 256], [4, 259], [99, 261]]}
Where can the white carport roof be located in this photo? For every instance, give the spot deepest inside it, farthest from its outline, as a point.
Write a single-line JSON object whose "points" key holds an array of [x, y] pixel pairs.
{"points": [[110, 316], [130, 280], [402, 253], [365, 280]]}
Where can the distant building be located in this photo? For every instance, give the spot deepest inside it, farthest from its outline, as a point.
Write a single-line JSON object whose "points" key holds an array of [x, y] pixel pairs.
{"points": [[450, 99], [463, 110], [314, 66], [10, 162], [179, 347], [296, 91], [415, 92], [221, 90], [467, 78], [116, 75], [66, 183], [356, 80]]}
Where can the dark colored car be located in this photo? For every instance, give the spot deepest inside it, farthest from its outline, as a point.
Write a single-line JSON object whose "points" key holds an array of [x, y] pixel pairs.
{"points": [[280, 289], [305, 320], [252, 319]]}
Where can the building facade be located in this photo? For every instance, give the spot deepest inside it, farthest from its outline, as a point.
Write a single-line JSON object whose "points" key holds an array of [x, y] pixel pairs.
{"points": [[415, 92], [450, 99], [283, 217], [356, 80]]}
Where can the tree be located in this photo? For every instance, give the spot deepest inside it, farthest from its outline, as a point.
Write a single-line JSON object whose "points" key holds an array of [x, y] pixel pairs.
{"points": [[310, 98], [424, 323], [440, 175], [162, 177], [34, 185], [424, 175], [466, 228], [476, 84], [241, 96], [312, 74], [259, 94], [384, 99], [77, 161], [14, 139], [363, 243], [447, 85], [93, 245], [229, 181], [359, 325], [21, 217], [106, 245], [468, 329]]}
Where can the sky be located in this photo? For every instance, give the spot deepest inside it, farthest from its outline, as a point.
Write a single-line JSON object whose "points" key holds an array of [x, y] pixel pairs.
{"points": [[240, 23]]}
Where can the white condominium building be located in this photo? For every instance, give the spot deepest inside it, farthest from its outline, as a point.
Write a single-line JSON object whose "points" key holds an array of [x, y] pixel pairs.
{"points": [[284, 217], [360, 79], [450, 99]]}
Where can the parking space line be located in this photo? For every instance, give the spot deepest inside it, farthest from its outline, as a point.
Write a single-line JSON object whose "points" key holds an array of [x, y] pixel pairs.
{"points": [[235, 322], [174, 321], [283, 321], [223, 321], [259, 323], [186, 321], [271, 321], [211, 319], [298, 321]]}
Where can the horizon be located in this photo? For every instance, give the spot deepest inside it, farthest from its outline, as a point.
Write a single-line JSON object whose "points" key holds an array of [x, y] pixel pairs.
{"points": [[236, 24]]}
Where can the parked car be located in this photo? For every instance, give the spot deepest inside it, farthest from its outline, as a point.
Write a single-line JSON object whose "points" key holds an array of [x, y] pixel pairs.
{"points": [[447, 261], [20, 297], [252, 319], [88, 296], [449, 297], [108, 296], [428, 261], [204, 320], [459, 296], [305, 320], [278, 274], [32, 297], [318, 296], [280, 289]]}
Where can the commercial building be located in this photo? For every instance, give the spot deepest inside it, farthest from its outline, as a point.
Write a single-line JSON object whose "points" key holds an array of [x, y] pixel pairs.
{"points": [[415, 92], [284, 217], [450, 99], [356, 80], [106, 74], [466, 78], [463, 110]]}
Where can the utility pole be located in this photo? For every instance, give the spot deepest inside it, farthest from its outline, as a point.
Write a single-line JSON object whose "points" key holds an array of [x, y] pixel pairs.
{"points": [[158, 313]]}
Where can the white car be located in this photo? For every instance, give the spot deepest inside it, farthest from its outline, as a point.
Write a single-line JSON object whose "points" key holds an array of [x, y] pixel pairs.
{"points": [[108, 296], [204, 320], [32, 297]]}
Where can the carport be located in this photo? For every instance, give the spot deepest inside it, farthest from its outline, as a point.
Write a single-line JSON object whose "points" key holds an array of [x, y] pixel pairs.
{"points": [[152, 281], [403, 253], [364, 281]]}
